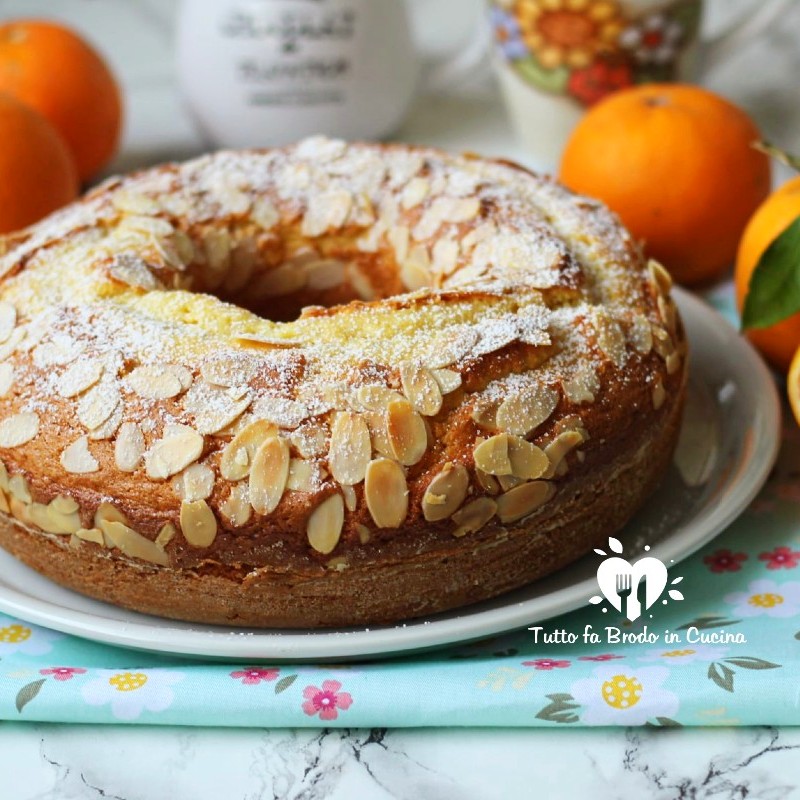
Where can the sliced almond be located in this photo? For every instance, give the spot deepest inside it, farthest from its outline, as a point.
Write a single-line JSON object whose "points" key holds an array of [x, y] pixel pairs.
{"points": [[282, 280], [364, 533], [154, 382], [659, 394], [525, 410], [406, 430], [473, 516], [8, 320], [452, 346], [268, 474], [98, 404], [238, 455], [213, 407], [449, 380], [414, 192], [445, 493], [326, 274], [133, 544], [282, 411], [377, 398], [559, 448], [129, 447], [610, 338], [350, 498], [6, 378], [640, 335], [325, 524], [484, 412], [305, 476], [19, 429], [421, 388], [350, 448], [179, 446], [198, 523], [487, 482], [527, 460], [196, 482], [508, 482], [79, 377], [311, 440], [673, 362], [445, 256], [376, 422], [491, 455], [165, 535], [91, 535], [107, 512], [582, 386], [398, 237], [18, 488], [326, 210], [386, 493], [229, 369], [76, 458], [415, 270], [660, 278], [237, 509], [523, 500], [264, 213]]}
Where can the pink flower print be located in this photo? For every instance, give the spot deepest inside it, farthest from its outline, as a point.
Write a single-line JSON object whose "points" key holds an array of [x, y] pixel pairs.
{"points": [[601, 657], [62, 673], [326, 700], [780, 557], [546, 663], [724, 561], [253, 675]]}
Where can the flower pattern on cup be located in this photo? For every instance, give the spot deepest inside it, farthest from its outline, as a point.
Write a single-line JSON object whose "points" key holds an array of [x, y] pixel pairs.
{"points": [[781, 558], [326, 701], [585, 49], [63, 673], [546, 664], [766, 597], [131, 692], [619, 694], [684, 654], [600, 657], [724, 560], [30, 640], [254, 675], [653, 39]]}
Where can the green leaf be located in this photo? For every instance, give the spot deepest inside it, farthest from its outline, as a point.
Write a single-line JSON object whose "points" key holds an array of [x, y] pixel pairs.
{"points": [[548, 80], [774, 292], [793, 162], [721, 675], [708, 621], [663, 722], [748, 662], [28, 692], [559, 709], [284, 683]]}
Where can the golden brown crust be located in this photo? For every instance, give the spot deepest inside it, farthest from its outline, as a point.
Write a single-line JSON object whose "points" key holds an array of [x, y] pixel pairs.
{"points": [[475, 346]]}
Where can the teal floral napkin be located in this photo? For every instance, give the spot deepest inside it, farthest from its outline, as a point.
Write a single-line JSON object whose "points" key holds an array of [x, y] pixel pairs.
{"points": [[733, 659]]}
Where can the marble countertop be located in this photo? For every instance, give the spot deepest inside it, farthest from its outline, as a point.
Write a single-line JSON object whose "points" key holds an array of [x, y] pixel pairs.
{"points": [[63, 762]]}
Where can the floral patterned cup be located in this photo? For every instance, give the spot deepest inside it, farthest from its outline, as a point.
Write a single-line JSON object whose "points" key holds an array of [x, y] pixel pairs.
{"points": [[555, 58]]}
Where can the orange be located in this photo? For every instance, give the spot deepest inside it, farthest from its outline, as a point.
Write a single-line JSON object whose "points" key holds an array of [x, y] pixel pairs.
{"points": [[777, 342], [677, 164], [793, 385], [53, 70], [37, 172]]}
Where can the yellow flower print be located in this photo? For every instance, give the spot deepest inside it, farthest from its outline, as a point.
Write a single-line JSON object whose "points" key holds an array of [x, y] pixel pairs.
{"points": [[569, 32], [765, 600], [15, 634], [678, 653], [128, 681], [622, 692]]}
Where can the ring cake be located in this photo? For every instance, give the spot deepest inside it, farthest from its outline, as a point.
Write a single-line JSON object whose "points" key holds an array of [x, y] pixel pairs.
{"points": [[327, 385]]}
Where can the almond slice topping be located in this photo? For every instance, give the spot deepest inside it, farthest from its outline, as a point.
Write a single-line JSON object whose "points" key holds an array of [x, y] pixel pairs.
{"points": [[179, 446], [268, 474], [19, 429], [77, 459], [524, 411], [523, 500], [238, 455], [445, 493], [129, 447], [408, 437], [79, 377], [198, 523], [154, 382], [325, 524], [421, 388], [8, 320], [6, 378], [350, 448], [386, 493], [98, 404], [491, 455], [473, 516], [133, 544], [527, 460], [558, 449], [196, 482], [237, 509], [449, 380]]}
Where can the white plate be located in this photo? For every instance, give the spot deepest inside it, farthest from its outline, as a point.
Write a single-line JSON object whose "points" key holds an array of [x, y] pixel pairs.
{"points": [[728, 445]]}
